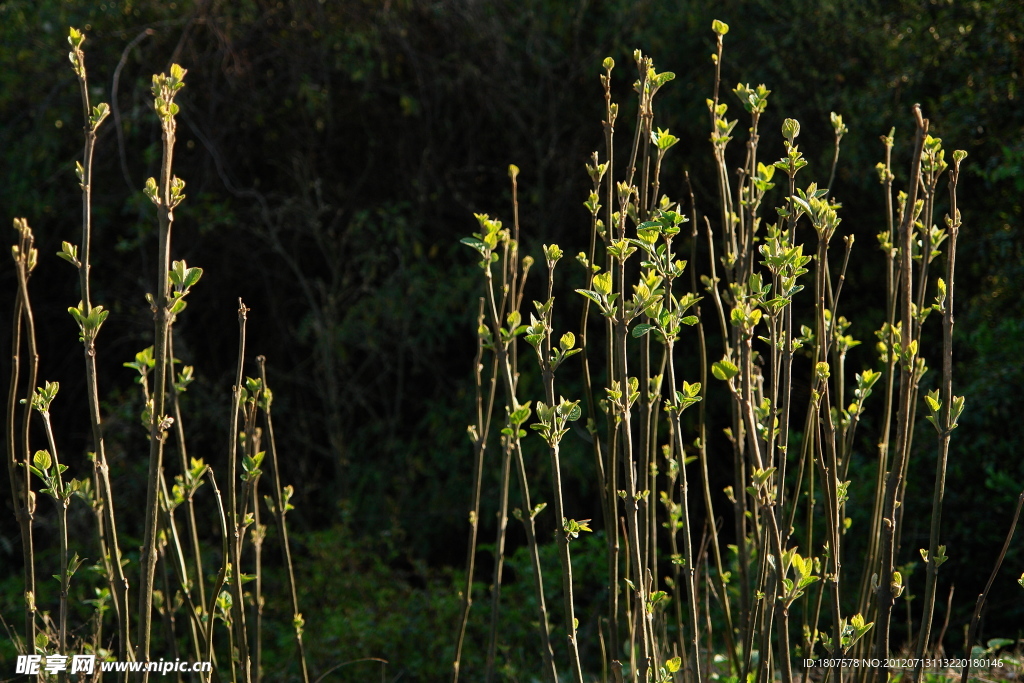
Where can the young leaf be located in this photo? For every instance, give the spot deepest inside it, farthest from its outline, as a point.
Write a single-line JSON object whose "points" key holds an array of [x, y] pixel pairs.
{"points": [[42, 460], [724, 370], [642, 329]]}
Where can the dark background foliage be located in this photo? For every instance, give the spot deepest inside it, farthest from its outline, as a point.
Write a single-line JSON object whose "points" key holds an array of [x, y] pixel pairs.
{"points": [[335, 153]]}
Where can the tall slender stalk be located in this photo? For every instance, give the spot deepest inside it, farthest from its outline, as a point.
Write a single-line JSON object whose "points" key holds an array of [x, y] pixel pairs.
{"points": [[61, 495], [721, 130], [25, 257], [166, 195], [553, 416], [504, 339], [723, 595], [280, 508], [677, 403], [478, 434], [889, 588], [89, 319], [507, 367], [226, 542], [189, 480], [252, 461], [609, 466], [944, 423], [167, 506], [236, 521], [828, 464], [641, 636], [499, 560], [980, 604], [887, 241]]}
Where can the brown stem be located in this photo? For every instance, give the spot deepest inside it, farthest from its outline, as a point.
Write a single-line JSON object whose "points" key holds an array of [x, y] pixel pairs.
{"points": [[235, 520], [945, 427], [980, 605], [483, 424], [104, 493], [280, 509], [21, 483], [884, 593], [162, 321], [179, 432]]}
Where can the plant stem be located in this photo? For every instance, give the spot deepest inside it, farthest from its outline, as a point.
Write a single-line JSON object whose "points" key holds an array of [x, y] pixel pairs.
{"points": [[280, 510], [179, 432], [828, 463], [21, 483], [724, 599], [631, 501], [258, 534], [544, 355], [226, 544], [479, 436], [884, 593], [237, 530], [60, 497], [505, 353], [875, 533], [195, 621], [499, 560], [947, 424], [610, 490], [980, 605], [118, 581], [166, 195], [689, 568]]}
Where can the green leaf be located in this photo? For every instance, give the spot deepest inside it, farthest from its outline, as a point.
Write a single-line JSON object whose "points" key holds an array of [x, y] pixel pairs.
{"points": [[475, 243], [957, 409], [724, 370], [42, 460], [790, 129], [192, 276], [521, 414], [99, 113], [996, 643], [761, 476], [807, 581], [642, 329], [178, 305], [69, 252], [822, 370]]}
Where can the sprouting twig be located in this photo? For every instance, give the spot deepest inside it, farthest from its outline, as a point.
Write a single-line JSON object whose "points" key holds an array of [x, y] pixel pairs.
{"points": [[21, 484], [980, 605], [90, 318], [280, 509]]}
